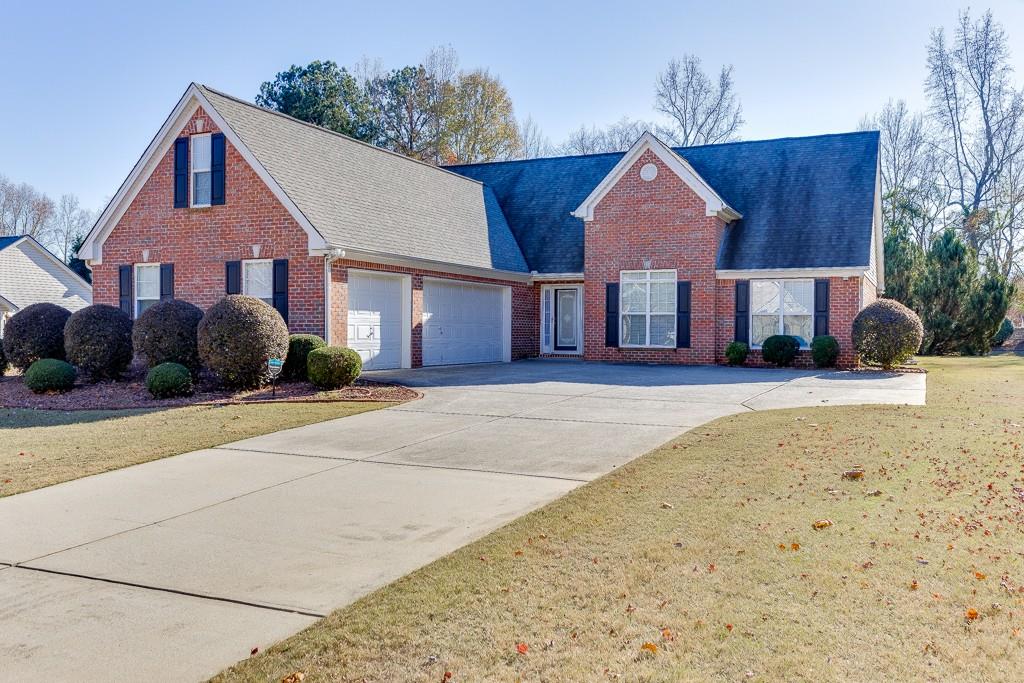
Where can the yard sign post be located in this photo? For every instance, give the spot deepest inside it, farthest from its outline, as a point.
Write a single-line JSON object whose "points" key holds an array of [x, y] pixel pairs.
{"points": [[274, 365]]}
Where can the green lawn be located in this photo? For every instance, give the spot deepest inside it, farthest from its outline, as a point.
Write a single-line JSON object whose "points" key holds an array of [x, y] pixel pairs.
{"points": [[704, 549], [43, 447]]}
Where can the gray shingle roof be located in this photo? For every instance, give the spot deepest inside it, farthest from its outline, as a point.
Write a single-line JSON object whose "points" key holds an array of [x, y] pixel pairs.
{"points": [[361, 197], [806, 202]]}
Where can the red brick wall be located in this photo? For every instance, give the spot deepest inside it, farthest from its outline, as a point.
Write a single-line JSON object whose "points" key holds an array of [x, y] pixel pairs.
{"points": [[525, 330], [199, 241], [662, 220]]}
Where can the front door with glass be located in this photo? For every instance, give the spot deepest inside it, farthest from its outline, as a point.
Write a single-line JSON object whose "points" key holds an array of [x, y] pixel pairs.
{"points": [[566, 320]]}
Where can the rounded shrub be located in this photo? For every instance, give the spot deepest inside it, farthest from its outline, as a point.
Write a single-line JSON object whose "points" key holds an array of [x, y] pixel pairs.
{"points": [[166, 333], [333, 367], [3, 359], [1004, 332], [50, 374], [168, 380], [98, 339], [887, 333], [299, 346], [825, 351], [736, 353], [779, 349], [34, 332], [236, 338]]}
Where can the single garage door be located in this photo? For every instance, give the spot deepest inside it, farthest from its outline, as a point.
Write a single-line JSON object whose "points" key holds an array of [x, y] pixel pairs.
{"points": [[375, 314], [464, 322]]}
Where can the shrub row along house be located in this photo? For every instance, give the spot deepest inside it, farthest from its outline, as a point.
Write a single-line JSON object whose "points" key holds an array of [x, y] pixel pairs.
{"points": [[653, 255]]}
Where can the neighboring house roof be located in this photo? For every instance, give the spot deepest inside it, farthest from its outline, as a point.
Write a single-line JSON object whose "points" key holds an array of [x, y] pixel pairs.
{"points": [[360, 197], [30, 273], [805, 202]]}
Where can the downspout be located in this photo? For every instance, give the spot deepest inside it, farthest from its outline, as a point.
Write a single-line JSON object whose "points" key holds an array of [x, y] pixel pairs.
{"points": [[329, 257]]}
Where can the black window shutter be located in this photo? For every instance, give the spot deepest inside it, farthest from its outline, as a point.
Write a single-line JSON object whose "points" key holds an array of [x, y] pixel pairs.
{"points": [[181, 173], [124, 286], [217, 165], [682, 315], [233, 277], [611, 314], [821, 307], [281, 287], [166, 281], [743, 311]]}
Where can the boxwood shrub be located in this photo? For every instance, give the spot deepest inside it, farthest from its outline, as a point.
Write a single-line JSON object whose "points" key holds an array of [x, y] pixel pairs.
{"points": [[34, 332], [736, 353], [50, 374], [299, 346], [166, 333], [236, 338], [168, 380], [779, 349], [825, 351], [98, 340], [333, 367], [887, 333]]}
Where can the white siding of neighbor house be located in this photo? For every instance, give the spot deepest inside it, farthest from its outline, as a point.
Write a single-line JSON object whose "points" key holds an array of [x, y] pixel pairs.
{"points": [[28, 276]]}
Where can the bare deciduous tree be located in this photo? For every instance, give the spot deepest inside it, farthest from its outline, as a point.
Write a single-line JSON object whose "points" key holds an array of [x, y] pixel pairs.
{"points": [[24, 210], [981, 116], [70, 221], [617, 137], [534, 143], [702, 111]]}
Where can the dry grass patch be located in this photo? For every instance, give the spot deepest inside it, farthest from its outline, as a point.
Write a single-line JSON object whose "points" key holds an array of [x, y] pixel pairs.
{"points": [[43, 447], [699, 561]]}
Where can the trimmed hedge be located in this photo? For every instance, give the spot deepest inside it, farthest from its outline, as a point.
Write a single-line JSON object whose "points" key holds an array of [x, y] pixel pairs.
{"points": [[736, 353], [50, 374], [237, 336], [299, 346], [779, 349], [887, 333], [168, 380], [333, 367], [1004, 332], [825, 351], [35, 332], [98, 339], [166, 333]]}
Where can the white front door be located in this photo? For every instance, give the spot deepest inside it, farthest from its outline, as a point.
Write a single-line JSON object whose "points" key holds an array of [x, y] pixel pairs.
{"points": [[375, 317], [465, 322]]}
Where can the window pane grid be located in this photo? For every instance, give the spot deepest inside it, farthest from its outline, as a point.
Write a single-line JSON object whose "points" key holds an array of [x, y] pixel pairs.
{"points": [[147, 286], [202, 184], [648, 308], [782, 307]]}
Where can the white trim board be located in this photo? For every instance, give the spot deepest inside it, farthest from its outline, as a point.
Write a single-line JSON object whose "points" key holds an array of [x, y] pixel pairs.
{"points": [[714, 205], [92, 247]]}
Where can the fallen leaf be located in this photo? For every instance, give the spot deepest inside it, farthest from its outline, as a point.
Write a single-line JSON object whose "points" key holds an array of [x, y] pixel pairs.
{"points": [[854, 473], [914, 585], [253, 651], [447, 676], [519, 553], [666, 634], [650, 647], [667, 506], [522, 648], [980, 576], [821, 524], [795, 546], [296, 677], [728, 627], [971, 614]]}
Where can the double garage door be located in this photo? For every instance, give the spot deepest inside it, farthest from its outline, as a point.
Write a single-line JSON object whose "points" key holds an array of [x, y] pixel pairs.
{"points": [[462, 322]]}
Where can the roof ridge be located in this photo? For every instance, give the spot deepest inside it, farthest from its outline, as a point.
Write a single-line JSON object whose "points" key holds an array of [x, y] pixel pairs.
{"points": [[673, 148], [335, 133]]}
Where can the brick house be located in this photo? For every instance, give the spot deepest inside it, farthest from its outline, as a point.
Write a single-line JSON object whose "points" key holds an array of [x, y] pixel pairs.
{"points": [[652, 255]]}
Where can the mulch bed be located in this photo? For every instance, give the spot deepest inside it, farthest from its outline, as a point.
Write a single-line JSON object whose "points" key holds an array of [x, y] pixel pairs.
{"points": [[131, 393]]}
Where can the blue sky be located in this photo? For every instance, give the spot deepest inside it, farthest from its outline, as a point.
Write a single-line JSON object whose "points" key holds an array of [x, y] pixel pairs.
{"points": [[88, 84]]}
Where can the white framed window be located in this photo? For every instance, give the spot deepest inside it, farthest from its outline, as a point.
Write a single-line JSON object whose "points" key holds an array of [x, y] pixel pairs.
{"points": [[147, 286], [258, 279], [202, 182], [647, 308], [781, 307]]}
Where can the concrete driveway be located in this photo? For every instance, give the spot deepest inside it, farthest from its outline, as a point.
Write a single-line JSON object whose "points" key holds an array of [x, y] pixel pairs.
{"points": [[173, 569]]}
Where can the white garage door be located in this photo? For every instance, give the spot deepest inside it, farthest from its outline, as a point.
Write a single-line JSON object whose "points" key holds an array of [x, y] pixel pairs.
{"points": [[464, 323], [375, 314]]}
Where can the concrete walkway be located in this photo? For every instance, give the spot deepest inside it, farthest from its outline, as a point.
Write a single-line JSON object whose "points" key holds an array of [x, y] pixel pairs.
{"points": [[174, 569]]}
